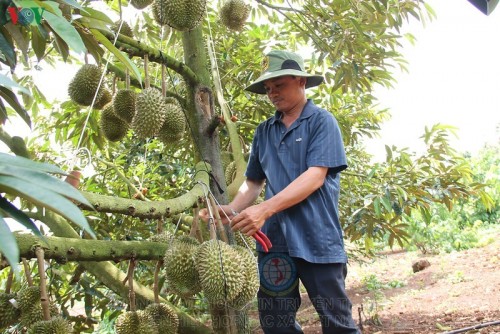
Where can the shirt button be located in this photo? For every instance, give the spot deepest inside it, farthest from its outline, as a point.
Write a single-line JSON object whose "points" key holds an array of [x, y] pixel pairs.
{"points": [[282, 143], [282, 131]]}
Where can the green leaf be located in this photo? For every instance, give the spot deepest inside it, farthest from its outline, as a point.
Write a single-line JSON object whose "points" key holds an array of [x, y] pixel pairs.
{"points": [[66, 31], [46, 181], [5, 81], [97, 15], [18, 216], [45, 198], [118, 54], [386, 202], [10, 160], [8, 244], [3, 113], [38, 41], [376, 206], [8, 51], [11, 99]]}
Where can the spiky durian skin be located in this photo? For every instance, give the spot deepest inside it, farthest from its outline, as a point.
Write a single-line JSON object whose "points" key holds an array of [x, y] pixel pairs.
{"points": [[150, 113], [164, 237], [140, 4], [124, 104], [251, 278], [175, 123], [135, 322], [220, 271], [182, 15], [125, 30], [56, 325], [180, 269], [9, 314], [244, 240], [105, 98], [164, 317], [84, 84], [230, 172], [35, 314], [234, 13], [113, 128], [27, 297]]}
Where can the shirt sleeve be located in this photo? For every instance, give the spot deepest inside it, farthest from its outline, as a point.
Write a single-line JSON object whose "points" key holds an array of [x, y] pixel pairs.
{"points": [[254, 168], [326, 147]]}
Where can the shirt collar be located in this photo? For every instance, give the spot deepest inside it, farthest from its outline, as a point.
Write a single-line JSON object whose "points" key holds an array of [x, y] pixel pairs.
{"points": [[306, 112]]}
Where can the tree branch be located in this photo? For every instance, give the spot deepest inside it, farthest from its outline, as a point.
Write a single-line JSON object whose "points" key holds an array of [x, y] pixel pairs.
{"points": [[72, 249], [137, 49], [156, 209]]}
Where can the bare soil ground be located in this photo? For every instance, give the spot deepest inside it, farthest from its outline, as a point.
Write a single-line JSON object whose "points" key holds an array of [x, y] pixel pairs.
{"points": [[458, 290]]}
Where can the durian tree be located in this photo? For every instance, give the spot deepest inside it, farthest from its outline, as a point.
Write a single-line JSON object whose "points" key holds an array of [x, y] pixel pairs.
{"points": [[157, 121]]}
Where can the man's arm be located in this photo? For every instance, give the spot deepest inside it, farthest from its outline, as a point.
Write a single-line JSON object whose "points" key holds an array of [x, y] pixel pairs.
{"points": [[252, 218], [246, 196]]}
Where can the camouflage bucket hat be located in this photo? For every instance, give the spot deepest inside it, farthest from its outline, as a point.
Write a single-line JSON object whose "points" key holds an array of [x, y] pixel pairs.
{"points": [[281, 63]]}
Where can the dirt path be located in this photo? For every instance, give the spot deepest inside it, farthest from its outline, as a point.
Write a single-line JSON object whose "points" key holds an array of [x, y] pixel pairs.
{"points": [[457, 290]]}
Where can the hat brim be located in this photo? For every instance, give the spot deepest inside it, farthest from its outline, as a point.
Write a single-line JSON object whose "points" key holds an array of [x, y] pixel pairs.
{"points": [[258, 86]]}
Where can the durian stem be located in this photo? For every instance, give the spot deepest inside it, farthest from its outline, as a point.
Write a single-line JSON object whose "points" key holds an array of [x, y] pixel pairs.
{"points": [[130, 278], [195, 226], [44, 299], [8, 284], [163, 82], [27, 272], [156, 287], [77, 274], [127, 79], [159, 226], [146, 72], [220, 227]]}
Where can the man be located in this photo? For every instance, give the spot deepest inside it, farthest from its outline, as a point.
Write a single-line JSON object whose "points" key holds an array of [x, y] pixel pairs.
{"points": [[297, 155]]}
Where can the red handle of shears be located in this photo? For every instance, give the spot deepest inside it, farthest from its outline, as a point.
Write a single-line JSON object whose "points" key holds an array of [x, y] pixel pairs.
{"points": [[260, 236]]}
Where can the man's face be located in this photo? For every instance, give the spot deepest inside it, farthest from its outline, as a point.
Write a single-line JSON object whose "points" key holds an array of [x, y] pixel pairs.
{"points": [[285, 92]]}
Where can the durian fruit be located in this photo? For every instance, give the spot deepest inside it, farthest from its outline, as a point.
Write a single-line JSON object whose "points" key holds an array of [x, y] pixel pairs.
{"points": [[234, 13], [226, 158], [182, 15], [125, 30], [56, 325], [230, 172], [164, 317], [84, 84], [220, 271], [27, 297], [105, 98], [113, 128], [180, 269], [140, 4], [135, 322], [164, 237], [187, 239], [124, 104], [244, 240], [9, 314], [175, 123], [28, 300], [150, 113], [251, 278]]}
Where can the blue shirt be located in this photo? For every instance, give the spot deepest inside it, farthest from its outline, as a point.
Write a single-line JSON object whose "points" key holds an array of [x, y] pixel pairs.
{"points": [[310, 229]]}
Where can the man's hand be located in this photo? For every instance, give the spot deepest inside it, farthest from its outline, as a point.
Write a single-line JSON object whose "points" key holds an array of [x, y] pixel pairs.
{"points": [[250, 220], [225, 212]]}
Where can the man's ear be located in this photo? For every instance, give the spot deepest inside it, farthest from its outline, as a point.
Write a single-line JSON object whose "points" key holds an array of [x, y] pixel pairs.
{"points": [[303, 80]]}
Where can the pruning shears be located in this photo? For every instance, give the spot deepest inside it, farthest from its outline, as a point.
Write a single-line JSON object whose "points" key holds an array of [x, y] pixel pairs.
{"points": [[259, 236]]}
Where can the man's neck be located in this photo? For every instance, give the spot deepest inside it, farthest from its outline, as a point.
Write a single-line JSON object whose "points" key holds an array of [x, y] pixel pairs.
{"points": [[291, 115]]}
